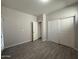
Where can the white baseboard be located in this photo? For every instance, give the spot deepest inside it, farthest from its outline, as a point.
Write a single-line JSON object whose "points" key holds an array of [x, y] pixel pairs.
{"points": [[16, 44]]}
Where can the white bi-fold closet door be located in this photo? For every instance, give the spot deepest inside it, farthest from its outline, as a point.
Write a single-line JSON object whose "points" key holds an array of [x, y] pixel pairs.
{"points": [[62, 31], [53, 31]]}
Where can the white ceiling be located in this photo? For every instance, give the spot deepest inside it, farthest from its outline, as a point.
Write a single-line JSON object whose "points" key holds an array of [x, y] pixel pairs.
{"points": [[36, 7]]}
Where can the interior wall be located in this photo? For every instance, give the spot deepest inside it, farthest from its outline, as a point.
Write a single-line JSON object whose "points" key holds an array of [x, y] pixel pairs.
{"points": [[16, 26], [65, 12], [44, 28]]}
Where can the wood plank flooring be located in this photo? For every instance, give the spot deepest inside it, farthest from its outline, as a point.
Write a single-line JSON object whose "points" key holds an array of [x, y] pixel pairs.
{"points": [[40, 50]]}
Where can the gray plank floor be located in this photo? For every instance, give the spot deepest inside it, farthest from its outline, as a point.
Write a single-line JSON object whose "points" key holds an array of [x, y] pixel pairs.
{"points": [[40, 50]]}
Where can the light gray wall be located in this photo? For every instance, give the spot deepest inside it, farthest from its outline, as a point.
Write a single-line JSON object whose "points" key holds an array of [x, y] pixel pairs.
{"points": [[43, 32], [66, 12], [44, 28], [16, 27]]}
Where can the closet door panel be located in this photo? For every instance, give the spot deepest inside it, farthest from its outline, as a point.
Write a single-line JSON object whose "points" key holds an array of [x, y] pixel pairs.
{"points": [[62, 31], [67, 32], [53, 31]]}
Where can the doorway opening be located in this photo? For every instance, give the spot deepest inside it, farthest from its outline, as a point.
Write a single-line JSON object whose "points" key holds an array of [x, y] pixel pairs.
{"points": [[36, 30]]}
